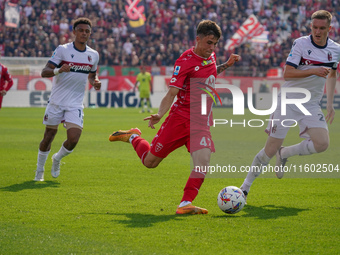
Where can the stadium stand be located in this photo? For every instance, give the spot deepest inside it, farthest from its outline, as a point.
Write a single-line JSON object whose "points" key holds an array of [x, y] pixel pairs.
{"points": [[170, 29]]}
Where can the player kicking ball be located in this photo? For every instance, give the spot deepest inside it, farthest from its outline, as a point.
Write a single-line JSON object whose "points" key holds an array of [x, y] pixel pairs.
{"points": [[198, 62]]}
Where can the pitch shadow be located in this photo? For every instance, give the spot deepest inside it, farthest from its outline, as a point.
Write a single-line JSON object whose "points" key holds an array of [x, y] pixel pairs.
{"points": [[139, 220], [30, 185], [267, 212]]}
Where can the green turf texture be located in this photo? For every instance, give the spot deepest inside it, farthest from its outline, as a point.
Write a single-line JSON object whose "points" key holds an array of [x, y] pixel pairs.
{"points": [[106, 202]]}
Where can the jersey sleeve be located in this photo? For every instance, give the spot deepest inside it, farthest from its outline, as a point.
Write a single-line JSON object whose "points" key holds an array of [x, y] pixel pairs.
{"points": [[336, 64], [295, 54], [57, 56], [95, 65], [179, 75]]}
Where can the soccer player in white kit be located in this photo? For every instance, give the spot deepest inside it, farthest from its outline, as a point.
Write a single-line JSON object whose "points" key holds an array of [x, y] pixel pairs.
{"points": [[311, 64], [71, 65]]}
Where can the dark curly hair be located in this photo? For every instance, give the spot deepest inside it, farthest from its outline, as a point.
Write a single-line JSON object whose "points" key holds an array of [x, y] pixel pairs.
{"points": [[208, 27], [82, 21]]}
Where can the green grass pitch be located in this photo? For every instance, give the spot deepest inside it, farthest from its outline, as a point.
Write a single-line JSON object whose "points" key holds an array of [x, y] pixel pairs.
{"points": [[106, 202]]}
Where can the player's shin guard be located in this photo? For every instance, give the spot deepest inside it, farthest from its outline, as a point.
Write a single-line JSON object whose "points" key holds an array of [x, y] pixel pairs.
{"points": [[260, 160], [141, 146], [193, 185], [63, 152], [42, 157]]}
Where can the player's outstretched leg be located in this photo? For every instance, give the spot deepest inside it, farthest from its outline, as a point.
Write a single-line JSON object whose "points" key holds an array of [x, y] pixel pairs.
{"points": [[124, 135]]}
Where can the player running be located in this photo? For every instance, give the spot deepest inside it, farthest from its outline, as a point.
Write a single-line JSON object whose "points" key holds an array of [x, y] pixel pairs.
{"points": [[71, 65], [195, 64], [311, 63]]}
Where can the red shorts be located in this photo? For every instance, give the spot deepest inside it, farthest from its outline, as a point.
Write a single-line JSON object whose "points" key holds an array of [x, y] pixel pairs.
{"points": [[176, 132]]}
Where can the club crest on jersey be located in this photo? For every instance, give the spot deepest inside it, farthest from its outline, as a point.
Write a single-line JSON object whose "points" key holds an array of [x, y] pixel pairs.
{"points": [[329, 56], [177, 70], [89, 58], [72, 56], [309, 52], [159, 146]]}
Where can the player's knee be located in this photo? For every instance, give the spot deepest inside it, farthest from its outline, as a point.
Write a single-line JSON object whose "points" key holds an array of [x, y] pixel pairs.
{"points": [[321, 146], [150, 164], [151, 161]]}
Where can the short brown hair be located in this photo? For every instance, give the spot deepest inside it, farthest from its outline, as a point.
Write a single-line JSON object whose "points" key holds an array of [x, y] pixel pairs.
{"points": [[208, 27], [82, 21], [322, 14]]}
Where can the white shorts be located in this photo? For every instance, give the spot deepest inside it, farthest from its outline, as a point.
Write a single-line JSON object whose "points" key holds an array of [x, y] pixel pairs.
{"points": [[55, 114], [279, 125]]}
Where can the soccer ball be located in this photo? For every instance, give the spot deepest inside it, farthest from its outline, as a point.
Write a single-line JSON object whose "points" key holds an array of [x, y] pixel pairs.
{"points": [[231, 200]]}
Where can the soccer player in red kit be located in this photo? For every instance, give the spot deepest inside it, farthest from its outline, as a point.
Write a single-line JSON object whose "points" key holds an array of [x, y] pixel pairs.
{"points": [[184, 125], [6, 81]]}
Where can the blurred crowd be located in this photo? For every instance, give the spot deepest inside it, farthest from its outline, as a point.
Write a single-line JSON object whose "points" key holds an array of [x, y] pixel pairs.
{"points": [[170, 29]]}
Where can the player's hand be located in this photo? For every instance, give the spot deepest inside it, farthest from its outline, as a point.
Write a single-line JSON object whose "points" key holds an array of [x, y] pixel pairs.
{"points": [[233, 59], [3, 92], [64, 68], [322, 71], [330, 114], [153, 119], [97, 84]]}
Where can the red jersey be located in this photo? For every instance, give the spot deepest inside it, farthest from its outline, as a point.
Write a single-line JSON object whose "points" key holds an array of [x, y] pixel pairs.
{"points": [[5, 76], [192, 75]]}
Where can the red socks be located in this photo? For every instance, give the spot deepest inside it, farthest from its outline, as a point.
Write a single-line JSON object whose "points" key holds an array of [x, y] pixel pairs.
{"points": [[193, 185], [141, 146]]}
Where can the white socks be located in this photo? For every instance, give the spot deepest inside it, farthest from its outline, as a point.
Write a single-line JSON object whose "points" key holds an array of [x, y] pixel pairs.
{"points": [[306, 147], [42, 157], [261, 159], [132, 137], [184, 203], [63, 152]]}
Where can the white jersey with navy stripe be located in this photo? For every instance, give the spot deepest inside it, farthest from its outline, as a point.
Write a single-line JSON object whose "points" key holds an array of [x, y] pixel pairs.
{"points": [[69, 87], [305, 54]]}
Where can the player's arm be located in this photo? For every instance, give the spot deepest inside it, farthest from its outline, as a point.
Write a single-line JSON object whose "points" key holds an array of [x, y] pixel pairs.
{"points": [[291, 73], [50, 70], [164, 107], [230, 62], [94, 80], [330, 89]]}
